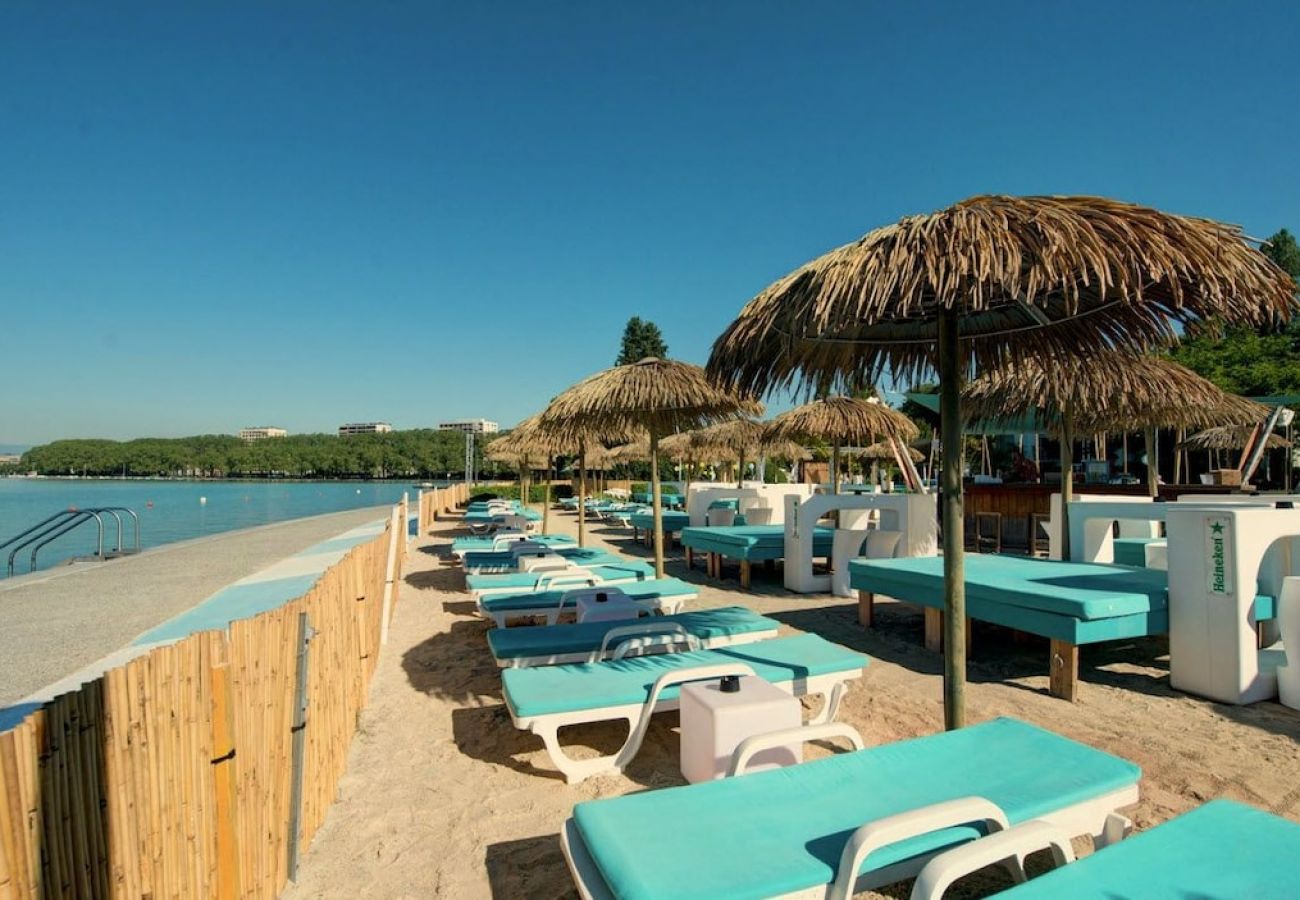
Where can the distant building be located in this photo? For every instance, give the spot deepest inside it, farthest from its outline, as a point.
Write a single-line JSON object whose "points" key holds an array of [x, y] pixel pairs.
{"points": [[473, 426], [10, 459], [261, 433], [364, 428]]}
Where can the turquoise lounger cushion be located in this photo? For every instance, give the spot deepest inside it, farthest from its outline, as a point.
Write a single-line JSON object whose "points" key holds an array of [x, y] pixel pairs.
{"points": [[607, 571], [581, 686], [469, 544], [1082, 590], [751, 542], [650, 589], [1222, 849], [1132, 551], [782, 830], [552, 640], [581, 556]]}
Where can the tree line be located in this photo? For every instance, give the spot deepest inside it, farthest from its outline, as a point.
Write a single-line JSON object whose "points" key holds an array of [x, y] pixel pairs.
{"points": [[421, 452]]}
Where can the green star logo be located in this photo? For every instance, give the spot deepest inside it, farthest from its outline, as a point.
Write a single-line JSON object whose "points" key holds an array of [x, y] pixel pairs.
{"points": [[1217, 528]]}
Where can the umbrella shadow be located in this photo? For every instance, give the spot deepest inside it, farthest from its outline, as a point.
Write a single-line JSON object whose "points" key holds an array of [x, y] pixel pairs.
{"points": [[454, 664], [450, 581], [528, 867]]}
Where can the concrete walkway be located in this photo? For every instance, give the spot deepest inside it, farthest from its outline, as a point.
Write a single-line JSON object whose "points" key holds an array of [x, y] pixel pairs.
{"points": [[58, 622]]}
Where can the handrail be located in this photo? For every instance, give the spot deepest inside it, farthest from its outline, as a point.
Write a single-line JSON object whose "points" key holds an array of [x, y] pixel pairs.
{"points": [[64, 521], [64, 530]]}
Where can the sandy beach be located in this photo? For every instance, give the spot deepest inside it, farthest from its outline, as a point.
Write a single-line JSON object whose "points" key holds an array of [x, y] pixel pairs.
{"points": [[444, 797]]}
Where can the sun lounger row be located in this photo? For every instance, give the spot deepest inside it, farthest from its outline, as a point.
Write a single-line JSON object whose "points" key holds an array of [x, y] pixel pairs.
{"points": [[935, 808]]}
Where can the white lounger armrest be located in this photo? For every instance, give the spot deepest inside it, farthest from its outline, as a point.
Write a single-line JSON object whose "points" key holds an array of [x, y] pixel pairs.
{"points": [[634, 640], [784, 737], [892, 829], [1010, 846], [570, 576]]}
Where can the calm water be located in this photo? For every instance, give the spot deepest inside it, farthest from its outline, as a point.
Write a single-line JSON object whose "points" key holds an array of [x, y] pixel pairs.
{"points": [[171, 510]]}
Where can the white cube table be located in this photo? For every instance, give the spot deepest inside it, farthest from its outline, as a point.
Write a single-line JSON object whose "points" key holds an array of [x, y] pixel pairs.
{"points": [[714, 722], [616, 607]]}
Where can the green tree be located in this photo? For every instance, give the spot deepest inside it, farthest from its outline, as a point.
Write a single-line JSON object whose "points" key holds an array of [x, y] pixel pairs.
{"points": [[641, 339], [1245, 360]]}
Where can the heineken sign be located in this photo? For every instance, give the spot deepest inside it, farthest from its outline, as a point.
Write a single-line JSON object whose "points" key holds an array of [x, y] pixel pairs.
{"points": [[1218, 556]]}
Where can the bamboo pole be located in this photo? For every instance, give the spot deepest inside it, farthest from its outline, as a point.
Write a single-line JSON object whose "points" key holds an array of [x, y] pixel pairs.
{"points": [[954, 568], [657, 504], [1067, 476], [582, 494]]}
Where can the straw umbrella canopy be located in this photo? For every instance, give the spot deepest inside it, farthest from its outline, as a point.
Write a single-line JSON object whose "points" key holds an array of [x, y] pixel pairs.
{"points": [[741, 438], [659, 396], [1105, 391], [530, 440], [838, 421], [981, 283], [1229, 437], [883, 452]]}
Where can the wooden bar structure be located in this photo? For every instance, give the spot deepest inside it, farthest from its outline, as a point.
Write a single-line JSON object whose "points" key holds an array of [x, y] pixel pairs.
{"points": [[170, 775]]}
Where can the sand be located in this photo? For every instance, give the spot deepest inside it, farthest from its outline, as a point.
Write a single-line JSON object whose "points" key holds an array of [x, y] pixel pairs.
{"points": [[444, 797]]}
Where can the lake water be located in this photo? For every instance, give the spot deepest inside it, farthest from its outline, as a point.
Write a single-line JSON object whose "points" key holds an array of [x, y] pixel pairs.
{"points": [[172, 510]]}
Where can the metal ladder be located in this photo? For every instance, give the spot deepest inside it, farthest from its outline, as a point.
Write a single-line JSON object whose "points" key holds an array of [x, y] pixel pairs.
{"points": [[64, 521]]}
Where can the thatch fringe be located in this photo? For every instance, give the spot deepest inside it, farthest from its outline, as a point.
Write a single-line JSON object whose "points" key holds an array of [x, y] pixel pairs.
{"points": [[843, 420], [1040, 276]]}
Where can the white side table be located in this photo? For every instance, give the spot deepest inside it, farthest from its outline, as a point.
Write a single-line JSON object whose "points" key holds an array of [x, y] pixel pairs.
{"points": [[714, 722], [615, 607]]}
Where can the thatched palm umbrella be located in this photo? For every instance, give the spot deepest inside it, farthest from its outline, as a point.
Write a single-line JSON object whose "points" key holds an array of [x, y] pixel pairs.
{"points": [[1101, 391], [660, 396], [838, 421], [739, 439], [978, 284], [1229, 437], [529, 441]]}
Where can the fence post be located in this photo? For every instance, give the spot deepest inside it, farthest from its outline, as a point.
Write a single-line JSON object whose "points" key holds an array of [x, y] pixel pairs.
{"points": [[388, 579], [305, 634], [223, 777]]}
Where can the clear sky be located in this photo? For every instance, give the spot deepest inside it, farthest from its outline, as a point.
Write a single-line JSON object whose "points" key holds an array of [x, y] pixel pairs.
{"points": [[303, 214]]}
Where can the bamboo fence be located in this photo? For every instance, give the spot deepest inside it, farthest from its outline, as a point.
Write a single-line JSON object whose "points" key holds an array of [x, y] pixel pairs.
{"points": [[173, 775]]}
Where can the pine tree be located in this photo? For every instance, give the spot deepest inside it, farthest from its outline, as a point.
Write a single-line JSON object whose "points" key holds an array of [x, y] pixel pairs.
{"points": [[641, 339]]}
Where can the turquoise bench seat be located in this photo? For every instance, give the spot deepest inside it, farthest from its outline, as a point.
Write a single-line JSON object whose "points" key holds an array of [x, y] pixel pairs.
{"points": [[609, 572], [751, 543], [531, 515], [473, 544], [648, 589], [1222, 849], [1079, 603], [779, 831], [709, 625], [625, 682], [673, 521], [1132, 551]]}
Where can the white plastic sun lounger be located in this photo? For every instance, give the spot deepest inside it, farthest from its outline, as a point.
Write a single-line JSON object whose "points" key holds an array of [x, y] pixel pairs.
{"points": [[546, 698], [569, 576], [846, 823], [703, 629], [654, 595], [502, 541]]}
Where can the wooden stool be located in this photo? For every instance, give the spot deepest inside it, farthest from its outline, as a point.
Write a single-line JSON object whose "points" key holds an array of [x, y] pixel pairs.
{"points": [[982, 538]]}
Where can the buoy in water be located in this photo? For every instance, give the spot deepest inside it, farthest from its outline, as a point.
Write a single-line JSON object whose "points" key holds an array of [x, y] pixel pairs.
{"points": [[358, 490], [203, 501], [148, 504]]}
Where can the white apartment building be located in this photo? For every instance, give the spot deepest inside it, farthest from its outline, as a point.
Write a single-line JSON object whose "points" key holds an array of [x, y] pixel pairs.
{"points": [[473, 426], [261, 433], [364, 428]]}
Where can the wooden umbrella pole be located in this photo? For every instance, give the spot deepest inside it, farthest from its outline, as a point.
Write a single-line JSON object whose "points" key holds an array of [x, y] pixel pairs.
{"points": [[582, 494], [546, 498], [954, 562], [835, 468], [1067, 477], [1153, 473], [657, 504], [740, 478], [1178, 456]]}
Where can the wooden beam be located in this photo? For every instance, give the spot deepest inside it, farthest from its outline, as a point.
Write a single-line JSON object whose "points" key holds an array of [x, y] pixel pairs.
{"points": [[933, 630], [1064, 662], [866, 608]]}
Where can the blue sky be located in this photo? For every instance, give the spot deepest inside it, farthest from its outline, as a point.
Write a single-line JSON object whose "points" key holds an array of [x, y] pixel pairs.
{"points": [[302, 214]]}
